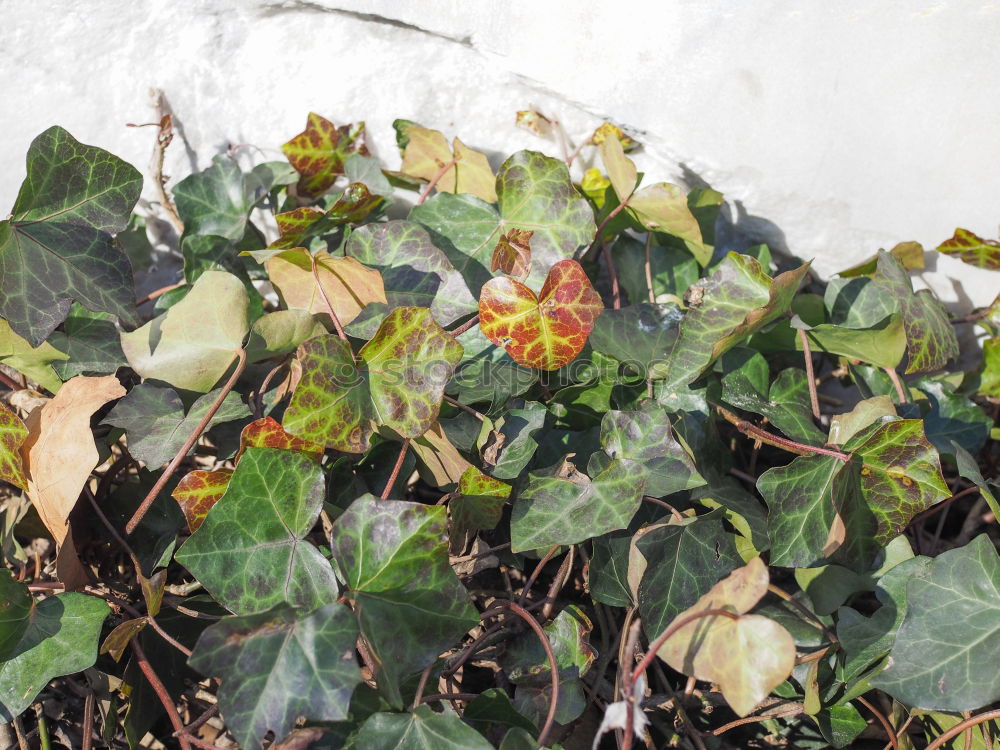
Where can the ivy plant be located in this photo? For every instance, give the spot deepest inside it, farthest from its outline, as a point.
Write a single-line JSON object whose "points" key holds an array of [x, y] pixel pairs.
{"points": [[459, 452]]}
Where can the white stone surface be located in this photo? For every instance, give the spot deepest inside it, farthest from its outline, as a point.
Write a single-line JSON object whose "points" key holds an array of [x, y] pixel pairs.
{"points": [[832, 128]]}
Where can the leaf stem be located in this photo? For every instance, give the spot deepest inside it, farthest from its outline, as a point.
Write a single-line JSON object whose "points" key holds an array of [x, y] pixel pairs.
{"points": [[161, 693], [9, 382], [456, 332], [88, 721], [158, 293], [791, 710], [396, 469], [778, 442], [329, 305], [188, 444], [893, 740], [550, 719], [436, 179], [808, 615], [897, 383], [465, 407], [535, 573], [810, 373], [649, 268]]}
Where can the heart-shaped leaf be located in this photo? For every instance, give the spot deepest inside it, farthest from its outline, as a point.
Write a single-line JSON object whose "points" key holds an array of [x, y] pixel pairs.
{"points": [[399, 382], [194, 343], [280, 665], [972, 249], [747, 656], [467, 171], [545, 331], [393, 557], [420, 729], [60, 638], [57, 246], [318, 153], [258, 527]]}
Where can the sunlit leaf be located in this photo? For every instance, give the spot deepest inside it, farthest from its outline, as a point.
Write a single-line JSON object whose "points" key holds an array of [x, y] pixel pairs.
{"points": [[349, 285], [280, 332], [198, 491], [972, 249], [157, 425], [950, 632], [57, 246], [60, 638], [909, 254], [398, 381], [258, 528], [427, 155], [35, 362], [267, 433], [280, 665], [544, 331], [393, 557], [318, 153], [866, 412], [194, 343], [930, 339], [747, 656], [637, 335], [534, 193]]}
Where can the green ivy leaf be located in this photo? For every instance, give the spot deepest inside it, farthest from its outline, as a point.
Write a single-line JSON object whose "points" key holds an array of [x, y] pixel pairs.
{"points": [[637, 335], [671, 269], [731, 304], [950, 632], [218, 200], [414, 271], [534, 193], [57, 246], [972, 249], [15, 611], [280, 332], [900, 474], [35, 362], [930, 339], [645, 438], [399, 383], [249, 552], [154, 418], [421, 729], [516, 440], [953, 417], [91, 341], [804, 500], [279, 665], [194, 343], [563, 506], [60, 638], [393, 557], [679, 562]]}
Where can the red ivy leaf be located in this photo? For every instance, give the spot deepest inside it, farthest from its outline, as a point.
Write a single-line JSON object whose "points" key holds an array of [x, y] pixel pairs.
{"points": [[12, 434], [319, 151], [198, 491], [545, 332], [267, 433], [512, 255]]}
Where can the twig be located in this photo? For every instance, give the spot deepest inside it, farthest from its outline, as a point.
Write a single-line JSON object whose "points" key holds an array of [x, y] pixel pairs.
{"points": [[466, 408], [158, 293], [935, 509], [164, 135], [807, 615], [258, 410], [778, 442], [535, 573], [550, 719], [787, 711], [484, 553], [329, 305], [962, 726], [9, 382], [192, 439], [396, 469], [446, 697], [456, 332], [894, 377], [562, 576], [436, 179], [810, 373], [208, 714], [656, 501], [88, 721], [893, 740], [161, 693], [22, 741], [424, 676], [649, 268]]}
